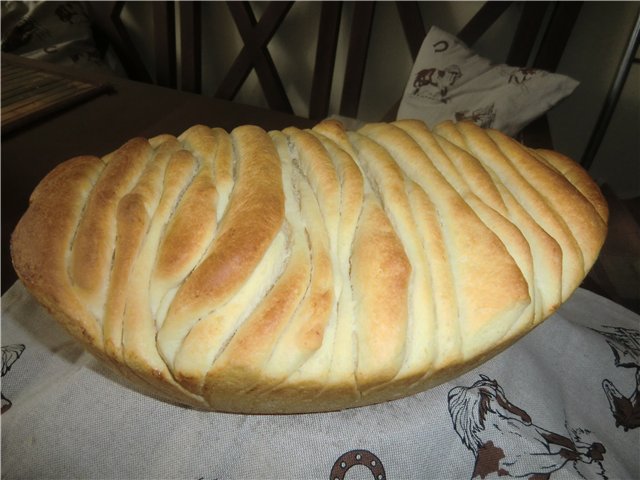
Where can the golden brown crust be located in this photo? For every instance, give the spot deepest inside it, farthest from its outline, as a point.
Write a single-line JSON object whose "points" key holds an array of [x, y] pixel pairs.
{"points": [[506, 172], [578, 176], [307, 270], [380, 273], [476, 255], [94, 241], [41, 240], [133, 219]]}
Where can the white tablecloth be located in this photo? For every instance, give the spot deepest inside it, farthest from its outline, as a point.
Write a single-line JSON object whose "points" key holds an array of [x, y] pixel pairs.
{"points": [[561, 402]]}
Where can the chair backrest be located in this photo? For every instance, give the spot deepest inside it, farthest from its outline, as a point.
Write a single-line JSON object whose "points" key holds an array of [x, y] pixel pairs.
{"points": [[107, 20], [539, 40]]}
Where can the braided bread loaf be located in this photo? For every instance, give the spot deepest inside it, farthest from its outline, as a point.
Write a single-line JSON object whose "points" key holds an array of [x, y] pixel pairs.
{"points": [[302, 271]]}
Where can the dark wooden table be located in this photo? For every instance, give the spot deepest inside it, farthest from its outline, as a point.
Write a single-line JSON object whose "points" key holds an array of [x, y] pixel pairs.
{"points": [[99, 124]]}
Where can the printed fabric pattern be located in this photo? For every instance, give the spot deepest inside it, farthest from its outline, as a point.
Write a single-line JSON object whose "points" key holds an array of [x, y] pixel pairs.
{"points": [[561, 403], [449, 81]]}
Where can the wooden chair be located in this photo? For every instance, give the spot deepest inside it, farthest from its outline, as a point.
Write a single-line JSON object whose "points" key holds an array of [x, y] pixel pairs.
{"points": [[108, 21], [539, 40], [552, 36]]}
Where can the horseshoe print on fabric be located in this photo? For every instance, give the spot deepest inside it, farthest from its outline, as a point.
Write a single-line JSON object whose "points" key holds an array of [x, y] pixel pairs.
{"points": [[440, 46], [358, 457]]}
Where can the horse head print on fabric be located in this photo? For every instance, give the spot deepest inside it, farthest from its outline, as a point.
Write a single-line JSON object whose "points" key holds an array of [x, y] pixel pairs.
{"points": [[10, 353], [504, 439], [625, 345]]}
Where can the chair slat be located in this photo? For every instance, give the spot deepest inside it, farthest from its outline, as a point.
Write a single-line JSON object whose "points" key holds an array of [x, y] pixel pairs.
{"points": [[531, 19], [254, 54], [191, 46], [412, 25], [557, 35], [164, 32], [482, 21], [356, 58], [328, 31], [106, 18]]}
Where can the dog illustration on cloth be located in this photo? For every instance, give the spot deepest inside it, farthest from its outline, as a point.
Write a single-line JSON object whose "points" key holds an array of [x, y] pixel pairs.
{"points": [[504, 440], [434, 83], [483, 117], [625, 344], [522, 75]]}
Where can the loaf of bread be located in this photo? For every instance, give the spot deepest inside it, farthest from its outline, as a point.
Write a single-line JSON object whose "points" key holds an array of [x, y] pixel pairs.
{"points": [[307, 270]]}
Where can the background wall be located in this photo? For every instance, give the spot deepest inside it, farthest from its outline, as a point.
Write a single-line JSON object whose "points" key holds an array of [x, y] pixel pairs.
{"points": [[592, 57]]}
